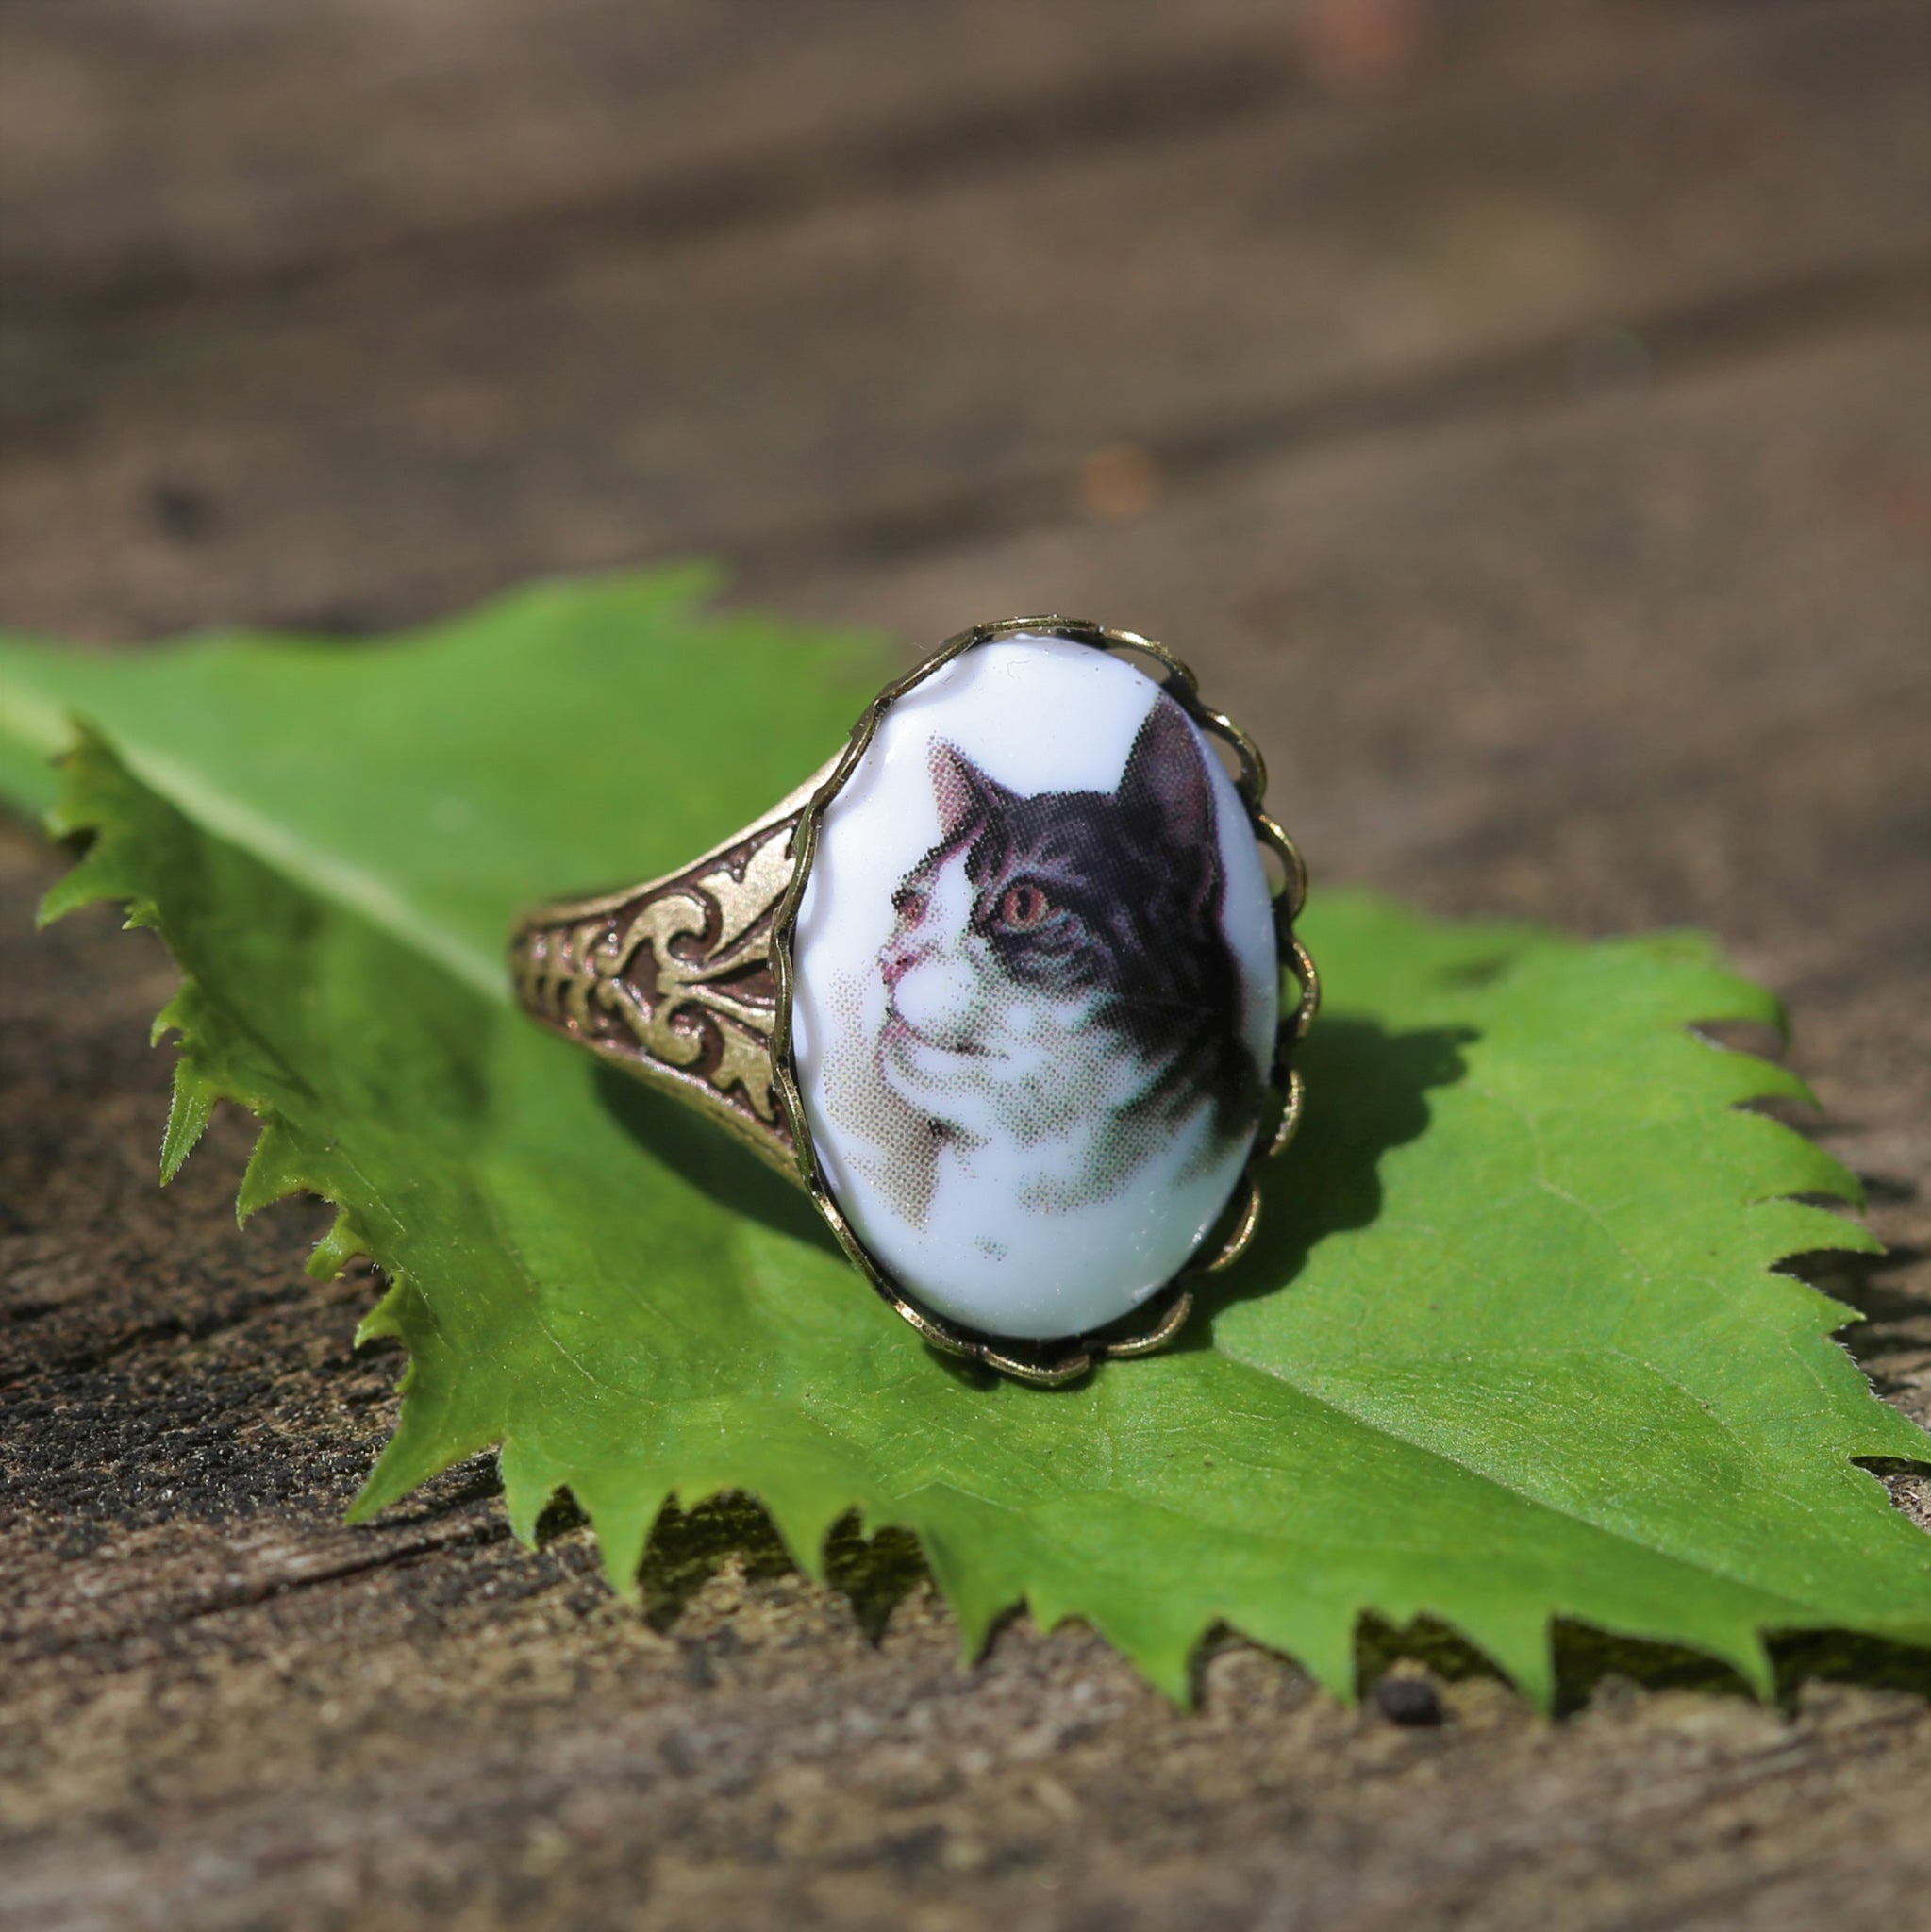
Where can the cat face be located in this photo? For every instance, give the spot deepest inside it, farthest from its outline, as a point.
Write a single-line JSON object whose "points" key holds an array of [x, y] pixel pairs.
{"points": [[1059, 961]]}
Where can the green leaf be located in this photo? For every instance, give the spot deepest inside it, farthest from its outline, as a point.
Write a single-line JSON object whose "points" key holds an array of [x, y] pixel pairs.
{"points": [[1510, 1346]]}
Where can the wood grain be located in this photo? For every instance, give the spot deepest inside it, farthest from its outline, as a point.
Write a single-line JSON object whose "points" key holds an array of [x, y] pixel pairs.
{"points": [[149, 151], [1525, 436], [904, 370]]}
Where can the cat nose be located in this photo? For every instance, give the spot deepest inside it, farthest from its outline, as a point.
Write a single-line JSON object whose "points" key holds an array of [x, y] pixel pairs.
{"points": [[898, 956], [932, 996]]}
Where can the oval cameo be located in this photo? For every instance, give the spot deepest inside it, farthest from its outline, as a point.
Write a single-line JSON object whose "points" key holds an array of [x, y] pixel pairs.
{"points": [[1035, 990]]}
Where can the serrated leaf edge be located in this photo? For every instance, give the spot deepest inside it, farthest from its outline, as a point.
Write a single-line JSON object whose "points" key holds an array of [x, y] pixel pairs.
{"points": [[275, 1171]]}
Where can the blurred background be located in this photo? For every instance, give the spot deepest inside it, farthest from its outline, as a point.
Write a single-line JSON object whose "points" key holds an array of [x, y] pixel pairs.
{"points": [[1518, 411], [1512, 404]]}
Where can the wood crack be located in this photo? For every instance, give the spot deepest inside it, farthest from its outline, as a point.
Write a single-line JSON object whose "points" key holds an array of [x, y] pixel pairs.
{"points": [[1738, 325], [262, 1589], [978, 140]]}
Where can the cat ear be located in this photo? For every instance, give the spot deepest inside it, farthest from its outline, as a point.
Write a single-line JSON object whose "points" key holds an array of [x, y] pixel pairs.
{"points": [[1167, 775], [964, 793]]}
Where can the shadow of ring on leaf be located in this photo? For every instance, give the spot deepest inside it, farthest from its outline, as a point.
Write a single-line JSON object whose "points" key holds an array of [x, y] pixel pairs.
{"points": [[708, 1158], [1367, 1094]]}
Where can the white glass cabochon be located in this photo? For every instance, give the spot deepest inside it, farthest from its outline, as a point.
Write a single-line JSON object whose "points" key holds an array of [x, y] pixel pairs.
{"points": [[1003, 1216]]}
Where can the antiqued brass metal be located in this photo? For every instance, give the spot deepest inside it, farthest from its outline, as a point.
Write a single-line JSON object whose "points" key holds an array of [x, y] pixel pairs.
{"points": [[673, 980], [686, 982]]}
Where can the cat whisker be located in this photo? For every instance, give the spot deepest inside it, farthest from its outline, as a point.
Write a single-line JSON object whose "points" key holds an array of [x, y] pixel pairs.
{"points": [[897, 1021]]}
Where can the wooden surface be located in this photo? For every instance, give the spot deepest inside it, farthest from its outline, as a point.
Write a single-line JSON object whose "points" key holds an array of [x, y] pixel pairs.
{"points": [[1521, 414]]}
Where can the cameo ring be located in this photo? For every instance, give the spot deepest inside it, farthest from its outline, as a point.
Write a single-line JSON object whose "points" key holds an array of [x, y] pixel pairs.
{"points": [[1010, 988]]}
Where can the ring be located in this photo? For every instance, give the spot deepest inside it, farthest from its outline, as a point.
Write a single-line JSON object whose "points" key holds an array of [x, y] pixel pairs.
{"points": [[1000, 986]]}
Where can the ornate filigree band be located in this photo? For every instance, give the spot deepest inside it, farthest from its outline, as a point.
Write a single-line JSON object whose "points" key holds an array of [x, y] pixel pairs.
{"points": [[673, 980]]}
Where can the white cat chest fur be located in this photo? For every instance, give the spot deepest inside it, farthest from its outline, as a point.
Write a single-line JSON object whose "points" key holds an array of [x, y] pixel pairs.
{"points": [[1029, 1113]]}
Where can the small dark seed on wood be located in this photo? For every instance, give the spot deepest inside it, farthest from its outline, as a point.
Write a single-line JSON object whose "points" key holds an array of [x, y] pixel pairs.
{"points": [[1407, 1700]]}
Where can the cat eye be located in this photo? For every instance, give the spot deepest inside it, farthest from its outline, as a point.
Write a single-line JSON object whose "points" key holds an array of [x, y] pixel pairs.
{"points": [[1024, 907]]}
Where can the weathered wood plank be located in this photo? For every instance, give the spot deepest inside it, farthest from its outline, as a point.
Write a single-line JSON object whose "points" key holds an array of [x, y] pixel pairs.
{"points": [[1648, 656], [924, 366], [151, 147], [1532, 617], [148, 148], [1480, 639]]}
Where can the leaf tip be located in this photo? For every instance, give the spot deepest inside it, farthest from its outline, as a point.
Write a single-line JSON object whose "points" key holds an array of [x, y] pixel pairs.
{"points": [[88, 883], [190, 1106], [384, 1321], [1173, 1671], [172, 1017], [1746, 1653], [622, 1509], [273, 1171], [335, 1251], [1534, 1676], [977, 1620], [417, 1451], [529, 1484]]}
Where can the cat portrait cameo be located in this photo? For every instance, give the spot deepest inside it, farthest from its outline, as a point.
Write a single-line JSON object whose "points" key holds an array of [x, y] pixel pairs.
{"points": [[1037, 991]]}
